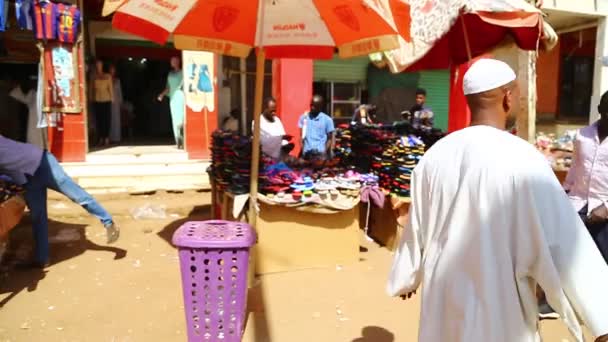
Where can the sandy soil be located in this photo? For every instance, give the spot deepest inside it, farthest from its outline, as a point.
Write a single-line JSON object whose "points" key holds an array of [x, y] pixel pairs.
{"points": [[132, 291]]}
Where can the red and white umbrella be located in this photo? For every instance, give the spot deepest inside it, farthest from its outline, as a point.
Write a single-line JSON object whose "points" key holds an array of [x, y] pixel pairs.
{"points": [[435, 33], [285, 28], [278, 28]]}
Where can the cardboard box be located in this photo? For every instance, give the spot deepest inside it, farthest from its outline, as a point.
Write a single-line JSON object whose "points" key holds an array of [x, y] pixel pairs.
{"points": [[384, 227], [290, 239], [11, 213]]}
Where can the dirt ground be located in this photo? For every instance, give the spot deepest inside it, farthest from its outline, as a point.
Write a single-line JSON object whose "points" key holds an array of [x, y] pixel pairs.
{"points": [[132, 291]]}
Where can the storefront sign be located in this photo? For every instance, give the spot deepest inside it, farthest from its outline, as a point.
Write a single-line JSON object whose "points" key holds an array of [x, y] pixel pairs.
{"points": [[199, 80]]}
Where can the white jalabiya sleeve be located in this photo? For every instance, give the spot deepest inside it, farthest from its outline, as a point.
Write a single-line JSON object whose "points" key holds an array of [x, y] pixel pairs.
{"points": [[406, 272], [568, 266]]}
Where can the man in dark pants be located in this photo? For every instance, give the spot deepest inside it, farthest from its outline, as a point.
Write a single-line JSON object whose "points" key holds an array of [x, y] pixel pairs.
{"points": [[37, 170]]}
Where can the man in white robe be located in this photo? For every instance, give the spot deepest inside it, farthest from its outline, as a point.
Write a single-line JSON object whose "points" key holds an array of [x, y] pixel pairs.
{"points": [[488, 223], [26, 93]]}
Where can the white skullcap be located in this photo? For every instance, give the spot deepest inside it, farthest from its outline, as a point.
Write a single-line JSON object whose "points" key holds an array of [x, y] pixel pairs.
{"points": [[487, 74]]}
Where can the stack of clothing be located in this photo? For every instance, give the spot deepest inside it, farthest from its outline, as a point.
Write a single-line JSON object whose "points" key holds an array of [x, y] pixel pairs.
{"points": [[8, 189]]}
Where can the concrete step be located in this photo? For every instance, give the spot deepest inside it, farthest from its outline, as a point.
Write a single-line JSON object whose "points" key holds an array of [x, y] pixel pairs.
{"points": [[140, 178], [139, 169], [134, 155], [140, 184], [114, 169]]}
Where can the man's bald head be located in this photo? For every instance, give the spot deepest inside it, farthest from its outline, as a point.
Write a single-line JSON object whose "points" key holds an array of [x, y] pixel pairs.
{"points": [[492, 92]]}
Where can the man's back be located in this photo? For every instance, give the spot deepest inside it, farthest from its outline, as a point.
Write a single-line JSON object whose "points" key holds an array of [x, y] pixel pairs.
{"points": [[488, 213], [18, 160]]}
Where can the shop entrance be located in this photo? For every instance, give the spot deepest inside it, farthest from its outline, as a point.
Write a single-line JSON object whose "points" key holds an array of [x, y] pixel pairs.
{"points": [[15, 78], [143, 119], [142, 73]]}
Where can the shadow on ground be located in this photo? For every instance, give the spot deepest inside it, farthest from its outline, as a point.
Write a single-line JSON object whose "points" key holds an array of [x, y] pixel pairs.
{"points": [[199, 213], [68, 241], [375, 334]]}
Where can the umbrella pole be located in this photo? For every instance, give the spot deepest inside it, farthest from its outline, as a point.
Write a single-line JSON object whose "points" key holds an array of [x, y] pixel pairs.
{"points": [[466, 39], [255, 153]]}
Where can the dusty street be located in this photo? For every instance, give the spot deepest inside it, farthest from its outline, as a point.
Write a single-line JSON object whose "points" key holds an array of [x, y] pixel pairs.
{"points": [[132, 292]]}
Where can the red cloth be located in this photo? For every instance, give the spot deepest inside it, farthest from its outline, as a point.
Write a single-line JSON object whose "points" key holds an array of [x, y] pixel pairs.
{"points": [[460, 115], [452, 48]]}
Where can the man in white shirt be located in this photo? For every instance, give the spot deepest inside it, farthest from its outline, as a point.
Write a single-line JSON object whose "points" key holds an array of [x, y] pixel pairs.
{"points": [[484, 231], [274, 140]]}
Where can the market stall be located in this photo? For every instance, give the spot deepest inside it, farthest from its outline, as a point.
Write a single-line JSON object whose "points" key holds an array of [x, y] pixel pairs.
{"points": [[319, 205], [558, 151], [309, 209]]}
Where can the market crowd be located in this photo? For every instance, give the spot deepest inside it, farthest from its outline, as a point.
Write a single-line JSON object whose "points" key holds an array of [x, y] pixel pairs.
{"points": [[495, 245], [492, 243]]}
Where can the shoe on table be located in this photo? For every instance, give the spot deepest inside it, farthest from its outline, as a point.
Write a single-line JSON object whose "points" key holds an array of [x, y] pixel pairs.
{"points": [[546, 312], [113, 233]]}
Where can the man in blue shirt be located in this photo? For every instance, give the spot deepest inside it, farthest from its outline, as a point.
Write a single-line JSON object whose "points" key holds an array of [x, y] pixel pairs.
{"points": [[317, 129], [37, 171]]}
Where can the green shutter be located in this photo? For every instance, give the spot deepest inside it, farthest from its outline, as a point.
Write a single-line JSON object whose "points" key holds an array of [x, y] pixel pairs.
{"points": [[380, 79], [351, 70], [437, 85]]}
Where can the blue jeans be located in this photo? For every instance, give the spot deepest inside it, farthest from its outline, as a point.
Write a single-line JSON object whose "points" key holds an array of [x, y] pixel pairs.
{"points": [[599, 233], [50, 175]]}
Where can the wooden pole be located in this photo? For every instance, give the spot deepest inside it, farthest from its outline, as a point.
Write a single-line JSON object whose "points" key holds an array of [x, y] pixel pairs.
{"points": [[255, 153], [466, 39]]}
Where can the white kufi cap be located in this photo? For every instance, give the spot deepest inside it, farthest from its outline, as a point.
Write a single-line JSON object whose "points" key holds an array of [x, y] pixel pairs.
{"points": [[487, 74]]}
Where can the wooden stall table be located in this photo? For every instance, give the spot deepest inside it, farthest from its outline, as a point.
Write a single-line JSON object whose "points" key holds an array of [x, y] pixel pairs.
{"points": [[301, 237], [386, 224], [11, 213]]}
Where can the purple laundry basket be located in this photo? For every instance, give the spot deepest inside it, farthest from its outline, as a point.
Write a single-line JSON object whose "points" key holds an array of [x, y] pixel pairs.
{"points": [[214, 258]]}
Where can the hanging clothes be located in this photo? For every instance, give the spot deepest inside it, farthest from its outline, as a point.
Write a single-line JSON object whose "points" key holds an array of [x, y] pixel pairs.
{"points": [[488, 223], [3, 15], [204, 80], [23, 12], [69, 23], [45, 20]]}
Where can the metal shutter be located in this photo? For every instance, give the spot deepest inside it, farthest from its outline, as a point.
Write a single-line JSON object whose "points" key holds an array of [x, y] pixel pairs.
{"points": [[352, 70], [437, 85]]}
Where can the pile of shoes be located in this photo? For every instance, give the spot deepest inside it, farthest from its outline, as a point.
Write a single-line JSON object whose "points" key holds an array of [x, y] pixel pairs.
{"points": [[343, 143], [429, 137], [394, 167], [231, 161], [8, 189]]}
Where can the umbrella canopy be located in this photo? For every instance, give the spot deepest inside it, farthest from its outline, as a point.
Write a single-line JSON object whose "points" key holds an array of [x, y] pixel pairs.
{"points": [[437, 33], [285, 28], [279, 28]]}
